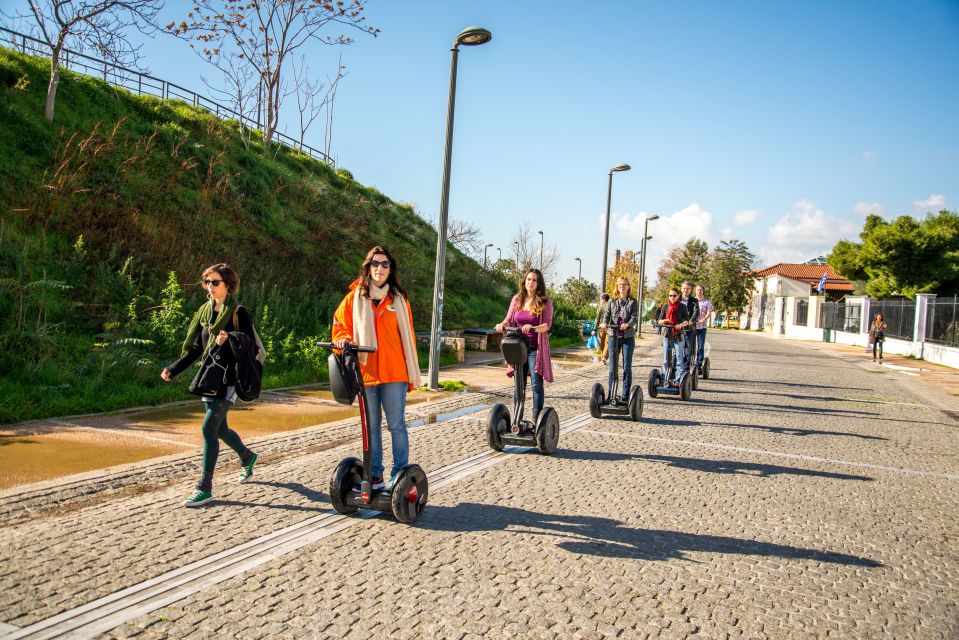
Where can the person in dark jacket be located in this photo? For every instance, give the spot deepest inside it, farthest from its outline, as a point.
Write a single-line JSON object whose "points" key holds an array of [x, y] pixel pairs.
{"points": [[603, 303], [208, 341], [621, 316], [673, 320], [692, 310]]}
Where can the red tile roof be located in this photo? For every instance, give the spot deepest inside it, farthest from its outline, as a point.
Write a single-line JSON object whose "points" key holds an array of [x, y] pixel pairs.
{"points": [[808, 273]]}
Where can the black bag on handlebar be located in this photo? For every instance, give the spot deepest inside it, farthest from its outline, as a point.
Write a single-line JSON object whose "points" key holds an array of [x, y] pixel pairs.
{"points": [[345, 377]]}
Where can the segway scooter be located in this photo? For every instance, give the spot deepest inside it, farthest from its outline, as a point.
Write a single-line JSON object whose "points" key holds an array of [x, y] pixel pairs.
{"points": [[703, 369], [351, 485], [500, 431], [600, 403], [665, 382]]}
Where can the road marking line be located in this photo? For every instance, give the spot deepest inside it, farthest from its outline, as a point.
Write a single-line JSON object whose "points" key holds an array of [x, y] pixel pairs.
{"points": [[109, 612], [778, 454], [119, 432]]}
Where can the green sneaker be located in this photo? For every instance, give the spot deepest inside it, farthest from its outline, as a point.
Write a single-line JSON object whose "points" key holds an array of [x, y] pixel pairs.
{"points": [[198, 498], [247, 472]]}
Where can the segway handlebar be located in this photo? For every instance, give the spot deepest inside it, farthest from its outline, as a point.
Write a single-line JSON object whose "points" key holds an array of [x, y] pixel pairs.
{"points": [[349, 347]]}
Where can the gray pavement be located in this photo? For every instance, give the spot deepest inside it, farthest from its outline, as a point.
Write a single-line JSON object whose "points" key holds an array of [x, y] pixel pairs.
{"points": [[799, 494]]}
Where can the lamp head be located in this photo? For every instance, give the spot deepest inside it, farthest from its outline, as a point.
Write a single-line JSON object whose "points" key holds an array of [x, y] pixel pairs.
{"points": [[652, 218], [473, 36], [620, 167]]}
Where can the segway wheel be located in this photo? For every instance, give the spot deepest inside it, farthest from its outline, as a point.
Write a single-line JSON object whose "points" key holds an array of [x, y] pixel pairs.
{"points": [[653, 383], [596, 399], [706, 368], [636, 404], [695, 377], [496, 424], [410, 491], [547, 431], [346, 477], [685, 386]]}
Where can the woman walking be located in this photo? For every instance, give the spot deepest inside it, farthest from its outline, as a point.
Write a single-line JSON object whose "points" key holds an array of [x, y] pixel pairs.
{"points": [[208, 338], [532, 311], [622, 317], [877, 335], [376, 313]]}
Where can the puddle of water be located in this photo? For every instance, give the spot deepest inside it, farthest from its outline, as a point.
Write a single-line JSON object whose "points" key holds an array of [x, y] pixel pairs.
{"points": [[574, 357], [34, 458], [323, 393], [433, 418]]}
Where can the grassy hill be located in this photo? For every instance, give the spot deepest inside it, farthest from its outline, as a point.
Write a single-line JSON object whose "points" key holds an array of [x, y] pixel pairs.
{"points": [[108, 214]]}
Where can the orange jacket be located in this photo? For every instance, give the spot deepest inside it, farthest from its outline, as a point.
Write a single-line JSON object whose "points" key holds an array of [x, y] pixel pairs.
{"points": [[387, 364]]}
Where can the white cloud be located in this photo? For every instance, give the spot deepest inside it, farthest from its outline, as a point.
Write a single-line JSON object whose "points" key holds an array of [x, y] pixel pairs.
{"points": [[746, 216], [935, 203], [809, 227], [866, 208], [726, 233], [768, 256], [868, 154]]}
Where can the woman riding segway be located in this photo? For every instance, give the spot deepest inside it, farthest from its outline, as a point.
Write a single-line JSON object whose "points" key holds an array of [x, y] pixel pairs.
{"points": [[620, 320], [672, 319]]}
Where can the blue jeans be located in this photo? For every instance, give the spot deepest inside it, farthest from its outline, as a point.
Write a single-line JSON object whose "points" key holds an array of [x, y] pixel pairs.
{"points": [[539, 396], [700, 346], [389, 398], [626, 346], [680, 346]]}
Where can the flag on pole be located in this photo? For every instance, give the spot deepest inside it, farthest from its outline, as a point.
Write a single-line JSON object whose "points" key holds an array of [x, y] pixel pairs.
{"points": [[822, 283]]}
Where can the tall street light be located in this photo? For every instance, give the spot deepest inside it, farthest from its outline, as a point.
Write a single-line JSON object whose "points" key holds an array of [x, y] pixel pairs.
{"points": [[540, 250], [516, 244], [609, 196], [580, 267], [484, 254], [470, 37], [642, 273], [500, 253]]}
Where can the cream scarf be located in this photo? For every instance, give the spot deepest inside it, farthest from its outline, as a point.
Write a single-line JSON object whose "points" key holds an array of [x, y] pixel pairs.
{"points": [[364, 327]]}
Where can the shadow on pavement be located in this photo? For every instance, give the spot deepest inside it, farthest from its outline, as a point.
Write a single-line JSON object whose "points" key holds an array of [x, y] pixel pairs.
{"points": [[296, 487], [605, 537], [595, 456], [786, 431], [745, 468]]}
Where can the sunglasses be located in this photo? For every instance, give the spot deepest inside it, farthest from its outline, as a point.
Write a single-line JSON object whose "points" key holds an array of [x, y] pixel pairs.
{"points": [[385, 264], [674, 295], [215, 283]]}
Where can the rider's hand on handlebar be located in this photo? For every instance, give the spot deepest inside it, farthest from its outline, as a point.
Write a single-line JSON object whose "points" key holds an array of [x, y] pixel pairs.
{"points": [[499, 327], [342, 342]]}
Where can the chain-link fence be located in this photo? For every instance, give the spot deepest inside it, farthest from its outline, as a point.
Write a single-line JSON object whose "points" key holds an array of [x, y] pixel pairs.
{"points": [[941, 316], [840, 316], [900, 316]]}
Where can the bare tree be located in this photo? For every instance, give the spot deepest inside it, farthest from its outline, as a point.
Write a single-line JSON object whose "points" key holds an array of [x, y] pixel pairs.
{"points": [[101, 26], [265, 34], [330, 99], [465, 237], [309, 103], [526, 251], [239, 88]]}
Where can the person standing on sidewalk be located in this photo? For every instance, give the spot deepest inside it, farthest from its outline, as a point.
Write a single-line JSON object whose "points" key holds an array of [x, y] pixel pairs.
{"points": [[622, 316], [705, 318], [692, 312], [877, 335], [376, 313], [208, 333], [532, 311], [603, 302]]}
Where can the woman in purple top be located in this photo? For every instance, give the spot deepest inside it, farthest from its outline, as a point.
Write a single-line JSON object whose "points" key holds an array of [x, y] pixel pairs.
{"points": [[532, 311], [702, 323]]}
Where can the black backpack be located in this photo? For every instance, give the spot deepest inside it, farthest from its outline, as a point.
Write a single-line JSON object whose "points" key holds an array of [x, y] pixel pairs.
{"points": [[249, 371]]}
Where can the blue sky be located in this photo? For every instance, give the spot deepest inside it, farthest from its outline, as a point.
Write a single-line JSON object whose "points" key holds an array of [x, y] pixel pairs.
{"points": [[780, 124]]}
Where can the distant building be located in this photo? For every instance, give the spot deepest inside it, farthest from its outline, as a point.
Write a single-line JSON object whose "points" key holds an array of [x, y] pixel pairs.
{"points": [[789, 281]]}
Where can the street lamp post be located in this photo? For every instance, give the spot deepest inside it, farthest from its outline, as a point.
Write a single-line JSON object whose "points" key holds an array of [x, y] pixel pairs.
{"points": [[540, 250], [516, 244], [471, 36], [500, 253], [484, 254], [642, 273], [580, 277], [609, 197]]}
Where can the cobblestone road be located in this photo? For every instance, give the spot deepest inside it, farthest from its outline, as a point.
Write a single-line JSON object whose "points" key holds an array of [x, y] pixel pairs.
{"points": [[798, 494]]}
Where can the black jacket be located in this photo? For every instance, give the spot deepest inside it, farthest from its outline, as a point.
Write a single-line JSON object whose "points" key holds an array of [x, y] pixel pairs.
{"points": [[692, 309], [226, 351], [682, 315]]}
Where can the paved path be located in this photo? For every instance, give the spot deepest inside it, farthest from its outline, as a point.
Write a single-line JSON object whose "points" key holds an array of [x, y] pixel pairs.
{"points": [[799, 494]]}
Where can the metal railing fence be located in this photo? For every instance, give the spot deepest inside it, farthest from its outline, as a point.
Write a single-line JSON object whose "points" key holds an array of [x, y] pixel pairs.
{"points": [[144, 84], [941, 317], [900, 317], [840, 316]]}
